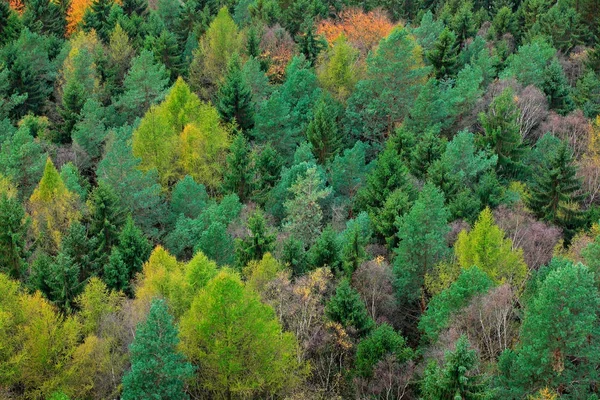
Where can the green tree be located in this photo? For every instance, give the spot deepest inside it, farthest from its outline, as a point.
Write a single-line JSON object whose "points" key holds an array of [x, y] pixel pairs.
{"points": [[97, 17], [338, 71], [166, 52], [325, 252], [89, 134], [381, 342], [470, 283], [502, 133], [44, 17], [557, 88], [354, 240], [554, 192], [9, 23], [188, 198], [322, 131], [13, 233], [457, 378], [486, 247], [421, 233], [238, 174], [304, 213], [527, 65], [157, 369], [107, 217], [145, 84], [444, 55], [260, 241], [63, 282], [395, 75], [237, 342], [559, 345], [234, 97], [347, 308]]}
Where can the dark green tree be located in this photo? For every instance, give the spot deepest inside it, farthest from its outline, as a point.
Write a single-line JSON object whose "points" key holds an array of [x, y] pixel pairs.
{"points": [[260, 241], [237, 177], [234, 98], [97, 17], [45, 17], [188, 198], [13, 233], [322, 131], [158, 371], [557, 88], [501, 133], [325, 252], [107, 217], [444, 55], [166, 52], [354, 240], [309, 43], [347, 308], [139, 7], [555, 191], [457, 379], [380, 343], [268, 167], [9, 23], [62, 281], [422, 244]]}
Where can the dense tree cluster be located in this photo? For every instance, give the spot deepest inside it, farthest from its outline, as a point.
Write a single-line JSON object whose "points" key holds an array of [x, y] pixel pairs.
{"points": [[299, 199]]}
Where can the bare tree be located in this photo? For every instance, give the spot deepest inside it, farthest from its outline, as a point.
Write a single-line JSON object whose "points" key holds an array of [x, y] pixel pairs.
{"points": [[573, 128], [373, 280]]}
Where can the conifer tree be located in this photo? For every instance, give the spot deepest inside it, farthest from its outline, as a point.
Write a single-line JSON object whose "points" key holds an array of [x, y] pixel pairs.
{"points": [[52, 207], [554, 195], [347, 308], [237, 176], [234, 98], [157, 369], [322, 131], [260, 241], [13, 233], [444, 55], [557, 88], [501, 133], [139, 7], [97, 17], [107, 217], [45, 16]]}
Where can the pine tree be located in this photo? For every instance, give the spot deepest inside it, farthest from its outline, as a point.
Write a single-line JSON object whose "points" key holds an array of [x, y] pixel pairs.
{"points": [[45, 17], [502, 133], [157, 369], [347, 308], [133, 247], [354, 240], [326, 251], [557, 88], [268, 168], [322, 131], [444, 55], [139, 7], [234, 98], [421, 233], [456, 379], [97, 17], [13, 233], [63, 282], [106, 219], [309, 43], [73, 99], [260, 241], [188, 198], [555, 191], [9, 23], [304, 213], [166, 52], [237, 177]]}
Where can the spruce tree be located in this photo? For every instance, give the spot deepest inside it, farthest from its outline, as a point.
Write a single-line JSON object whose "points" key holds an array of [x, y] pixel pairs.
{"points": [[444, 55], [106, 219], [234, 98], [501, 133], [139, 7], [45, 17], [13, 232], [158, 371], [322, 131], [97, 17], [347, 308], [309, 43], [555, 191], [260, 241], [557, 88], [237, 177]]}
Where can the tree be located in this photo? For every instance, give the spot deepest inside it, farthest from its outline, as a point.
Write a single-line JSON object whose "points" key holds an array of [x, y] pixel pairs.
{"points": [[354, 240], [555, 191], [444, 55], [486, 247], [234, 98], [106, 217], [456, 378], [338, 69], [45, 17], [238, 174], [260, 241], [63, 282], [559, 340], [53, 208], [394, 77], [347, 308], [97, 17], [144, 85], [120, 54], [322, 131], [304, 214], [166, 52], [382, 341], [325, 252], [209, 64], [89, 134], [502, 133], [557, 88], [421, 233], [188, 198], [157, 369], [9, 23], [13, 233], [471, 282], [237, 342]]}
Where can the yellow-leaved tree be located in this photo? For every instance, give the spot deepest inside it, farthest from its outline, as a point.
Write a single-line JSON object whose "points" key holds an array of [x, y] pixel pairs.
{"points": [[182, 136], [52, 208]]}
